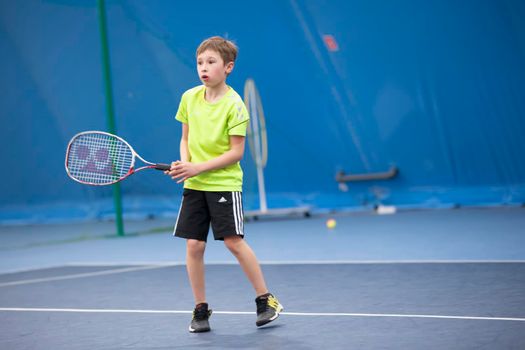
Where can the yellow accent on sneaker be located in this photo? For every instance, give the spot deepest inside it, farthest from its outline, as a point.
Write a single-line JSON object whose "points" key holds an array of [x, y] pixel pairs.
{"points": [[274, 303]]}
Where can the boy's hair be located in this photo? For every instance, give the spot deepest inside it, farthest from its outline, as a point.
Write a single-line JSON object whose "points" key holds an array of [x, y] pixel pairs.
{"points": [[225, 48]]}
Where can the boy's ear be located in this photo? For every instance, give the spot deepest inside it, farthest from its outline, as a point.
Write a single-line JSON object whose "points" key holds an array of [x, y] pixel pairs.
{"points": [[229, 67]]}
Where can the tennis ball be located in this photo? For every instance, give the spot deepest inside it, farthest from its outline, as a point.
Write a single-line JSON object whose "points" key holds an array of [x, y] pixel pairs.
{"points": [[330, 223]]}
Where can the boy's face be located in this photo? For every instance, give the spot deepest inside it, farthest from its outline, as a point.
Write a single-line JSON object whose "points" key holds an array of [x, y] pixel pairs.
{"points": [[212, 69]]}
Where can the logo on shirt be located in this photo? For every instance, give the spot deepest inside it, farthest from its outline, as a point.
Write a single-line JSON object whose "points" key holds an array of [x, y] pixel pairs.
{"points": [[240, 113]]}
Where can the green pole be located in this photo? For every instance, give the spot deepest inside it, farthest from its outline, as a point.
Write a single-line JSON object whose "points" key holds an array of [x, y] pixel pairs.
{"points": [[110, 115]]}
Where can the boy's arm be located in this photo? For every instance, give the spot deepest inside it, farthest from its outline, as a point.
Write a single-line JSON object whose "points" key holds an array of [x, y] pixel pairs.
{"points": [[184, 152], [184, 169], [229, 157]]}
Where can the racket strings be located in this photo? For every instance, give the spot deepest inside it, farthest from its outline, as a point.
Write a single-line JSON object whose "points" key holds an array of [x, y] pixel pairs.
{"points": [[96, 158]]}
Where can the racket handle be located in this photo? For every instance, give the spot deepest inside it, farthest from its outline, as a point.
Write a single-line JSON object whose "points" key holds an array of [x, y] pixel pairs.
{"points": [[162, 166]]}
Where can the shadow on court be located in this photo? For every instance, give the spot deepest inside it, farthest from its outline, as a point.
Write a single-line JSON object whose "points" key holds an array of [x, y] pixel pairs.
{"points": [[336, 306]]}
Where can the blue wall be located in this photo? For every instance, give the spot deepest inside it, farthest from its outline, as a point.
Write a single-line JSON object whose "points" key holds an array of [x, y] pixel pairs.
{"points": [[436, 88]]}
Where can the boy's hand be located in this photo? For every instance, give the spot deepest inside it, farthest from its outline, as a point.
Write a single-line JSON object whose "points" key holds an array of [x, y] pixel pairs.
{"points": [[167, 172], [183, 170]]}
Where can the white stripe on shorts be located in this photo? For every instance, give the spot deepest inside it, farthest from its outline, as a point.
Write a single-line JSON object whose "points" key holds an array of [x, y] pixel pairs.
{"points": [[178, 215], [237, 213]]}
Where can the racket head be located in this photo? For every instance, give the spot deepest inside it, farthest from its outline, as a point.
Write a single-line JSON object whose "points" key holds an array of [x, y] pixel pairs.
{"points": [[99, 158]]}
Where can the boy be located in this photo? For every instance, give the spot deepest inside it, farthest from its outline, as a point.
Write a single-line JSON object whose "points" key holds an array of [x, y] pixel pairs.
{"points": [[214, 121]]}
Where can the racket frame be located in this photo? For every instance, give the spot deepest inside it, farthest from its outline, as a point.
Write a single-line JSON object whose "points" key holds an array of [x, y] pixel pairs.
{"points": [[131, 171]]}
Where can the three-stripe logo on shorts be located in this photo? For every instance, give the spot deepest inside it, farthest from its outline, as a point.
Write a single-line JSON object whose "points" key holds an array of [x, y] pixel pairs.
{"points": [[238, 213]]}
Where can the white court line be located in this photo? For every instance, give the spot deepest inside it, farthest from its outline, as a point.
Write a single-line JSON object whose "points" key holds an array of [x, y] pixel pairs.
{"points": [[383, 262], [81, 275], [301, 262], [304, 314]]}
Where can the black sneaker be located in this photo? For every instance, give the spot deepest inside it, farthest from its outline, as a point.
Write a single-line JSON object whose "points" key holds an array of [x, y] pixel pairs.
{"points": [[268, 309], [199, 322]]}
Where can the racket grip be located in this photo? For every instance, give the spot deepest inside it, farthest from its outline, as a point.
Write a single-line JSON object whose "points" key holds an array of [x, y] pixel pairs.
{"points": [[162, 166]]}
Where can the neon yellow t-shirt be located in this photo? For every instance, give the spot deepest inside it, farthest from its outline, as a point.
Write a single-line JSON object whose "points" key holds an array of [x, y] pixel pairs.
{"points": [[210, 127]]}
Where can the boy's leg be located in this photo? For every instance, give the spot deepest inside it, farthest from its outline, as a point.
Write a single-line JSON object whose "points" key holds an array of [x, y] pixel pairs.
{"points": [[193, 223], [268, 307], [195, 267], [227, 222], [248, 261]]}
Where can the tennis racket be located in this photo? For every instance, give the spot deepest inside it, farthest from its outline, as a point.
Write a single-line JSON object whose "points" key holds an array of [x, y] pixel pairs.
{"points": [[99, 158]]}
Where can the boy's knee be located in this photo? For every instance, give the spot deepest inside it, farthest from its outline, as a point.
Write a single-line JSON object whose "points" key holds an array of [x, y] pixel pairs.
{"points": [[234, 243], [195, 247]]}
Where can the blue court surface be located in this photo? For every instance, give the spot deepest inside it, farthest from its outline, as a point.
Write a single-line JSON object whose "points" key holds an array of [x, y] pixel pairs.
{"points": [[443, 279]]}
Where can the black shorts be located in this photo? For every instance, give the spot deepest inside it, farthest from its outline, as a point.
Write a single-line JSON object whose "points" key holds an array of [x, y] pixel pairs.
{"points": [[200, 208]]}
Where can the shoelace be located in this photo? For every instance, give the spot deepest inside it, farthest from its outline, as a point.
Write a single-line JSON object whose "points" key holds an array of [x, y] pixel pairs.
{"points": [[262, 305], [201, 313]]}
